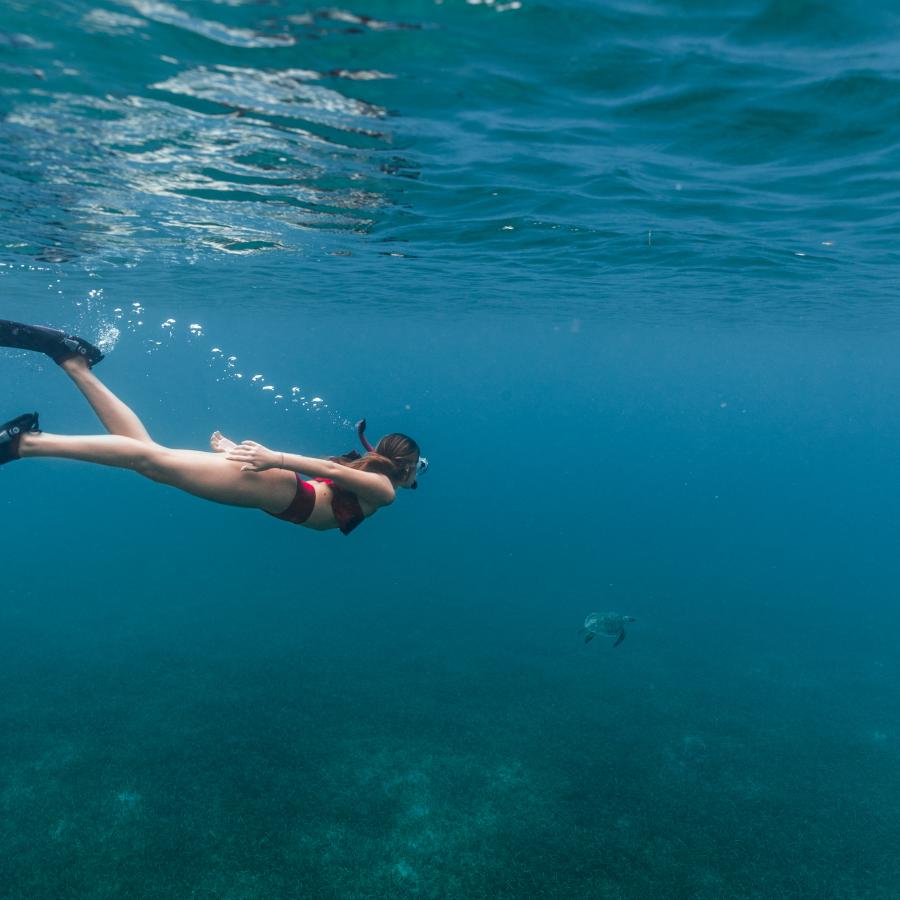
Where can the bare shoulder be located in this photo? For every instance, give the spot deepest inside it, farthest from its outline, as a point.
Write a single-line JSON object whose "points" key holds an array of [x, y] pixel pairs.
{"points": [[374, 487]]}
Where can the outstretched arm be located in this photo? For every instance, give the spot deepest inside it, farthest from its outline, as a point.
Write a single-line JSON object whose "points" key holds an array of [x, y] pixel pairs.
{"points": [[375, 488]]}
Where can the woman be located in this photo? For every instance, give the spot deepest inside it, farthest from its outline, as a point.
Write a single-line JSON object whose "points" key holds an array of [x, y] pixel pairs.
{"points": [[342, 493]]}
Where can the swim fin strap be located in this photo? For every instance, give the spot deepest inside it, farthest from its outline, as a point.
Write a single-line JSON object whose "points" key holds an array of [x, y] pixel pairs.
{"points": [[11, 432], [55, 343]]}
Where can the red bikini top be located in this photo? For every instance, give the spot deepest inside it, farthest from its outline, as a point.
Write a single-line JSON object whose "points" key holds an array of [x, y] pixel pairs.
{"points": [[344, 505]]}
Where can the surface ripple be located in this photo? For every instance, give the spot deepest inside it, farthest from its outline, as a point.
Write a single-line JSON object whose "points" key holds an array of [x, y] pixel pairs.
{"points": [[636, 150]]}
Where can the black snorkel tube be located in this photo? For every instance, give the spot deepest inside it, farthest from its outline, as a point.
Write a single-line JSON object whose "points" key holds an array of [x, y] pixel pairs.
{"points": [[361, 431]]}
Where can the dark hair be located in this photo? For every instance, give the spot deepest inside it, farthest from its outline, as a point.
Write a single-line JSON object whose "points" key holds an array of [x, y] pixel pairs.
{"points": [[395, 455]]}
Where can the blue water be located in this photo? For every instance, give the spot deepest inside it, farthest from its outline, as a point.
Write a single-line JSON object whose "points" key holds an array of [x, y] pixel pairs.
{"points": [[627, 272]]}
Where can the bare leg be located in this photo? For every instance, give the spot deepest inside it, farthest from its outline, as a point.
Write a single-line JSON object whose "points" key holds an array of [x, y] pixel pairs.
{"points": [[204, 474], [117, 418]]}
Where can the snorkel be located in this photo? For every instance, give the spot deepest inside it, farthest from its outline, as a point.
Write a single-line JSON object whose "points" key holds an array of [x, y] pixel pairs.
{"points": [[421, 462], [361, 431]]}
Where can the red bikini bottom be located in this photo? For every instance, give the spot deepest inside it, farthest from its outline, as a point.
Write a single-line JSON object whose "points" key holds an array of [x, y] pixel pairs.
{"points": [[344, 504], [302, 505]]}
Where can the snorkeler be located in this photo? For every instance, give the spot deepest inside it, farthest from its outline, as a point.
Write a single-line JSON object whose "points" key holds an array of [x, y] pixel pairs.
{"points": [[343, 490]]}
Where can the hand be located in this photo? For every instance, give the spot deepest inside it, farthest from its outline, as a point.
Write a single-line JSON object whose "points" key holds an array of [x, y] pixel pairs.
{"points": [[255, 457]]}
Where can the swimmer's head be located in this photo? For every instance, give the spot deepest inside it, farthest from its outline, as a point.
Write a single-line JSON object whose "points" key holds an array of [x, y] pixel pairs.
{"points": [[396, 455], [406, 457]]}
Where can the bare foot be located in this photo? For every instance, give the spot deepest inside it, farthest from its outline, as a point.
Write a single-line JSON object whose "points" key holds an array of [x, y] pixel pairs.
{"points": [[220, 443]]}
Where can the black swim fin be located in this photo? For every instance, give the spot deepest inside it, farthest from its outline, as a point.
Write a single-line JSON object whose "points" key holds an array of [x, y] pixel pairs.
{"points": [[55, 343], [11, 431]]}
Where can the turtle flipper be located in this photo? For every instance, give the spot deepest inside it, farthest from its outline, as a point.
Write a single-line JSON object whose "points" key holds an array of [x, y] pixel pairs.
{"points": [[589, 636], [620, 638]]}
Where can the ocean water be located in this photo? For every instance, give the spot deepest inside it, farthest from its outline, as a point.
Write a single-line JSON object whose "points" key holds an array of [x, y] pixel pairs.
{"points": [[627, 271]]}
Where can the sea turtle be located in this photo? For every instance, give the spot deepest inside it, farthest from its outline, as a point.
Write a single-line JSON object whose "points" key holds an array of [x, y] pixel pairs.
{"points": [[606, 623]]}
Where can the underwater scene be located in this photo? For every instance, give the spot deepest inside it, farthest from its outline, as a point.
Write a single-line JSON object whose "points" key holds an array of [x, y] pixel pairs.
{"points": [[627, 273]]}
